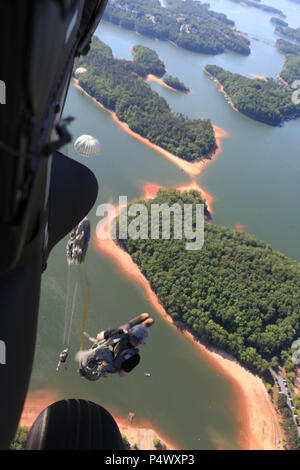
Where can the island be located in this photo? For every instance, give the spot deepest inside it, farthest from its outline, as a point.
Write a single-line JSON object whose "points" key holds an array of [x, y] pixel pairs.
{"points": [[288, 32], [279, 22], [189, 24], [291, 70], [236, 294], [148, 61], [175, 83], [268, 101], [120, 87], [150, 66], [260, 6], [286, 47]]}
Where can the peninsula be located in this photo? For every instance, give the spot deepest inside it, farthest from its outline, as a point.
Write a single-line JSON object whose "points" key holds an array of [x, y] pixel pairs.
{"points": [[236, 294], [119, 85], [265, 101], [261, 6], [189, 24]]}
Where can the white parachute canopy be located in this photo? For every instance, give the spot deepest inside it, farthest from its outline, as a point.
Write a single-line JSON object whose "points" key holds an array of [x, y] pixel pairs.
{"points": [[87, 145], [80, 72]]}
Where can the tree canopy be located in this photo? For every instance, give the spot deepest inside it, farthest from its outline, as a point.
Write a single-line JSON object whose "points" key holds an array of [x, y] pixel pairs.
{"points": [[278, 22], [148, 61], [291, 70], [287, 47], [174, 82], [119, 86], [288, 32], [189, 24], [236, 293], [261, 6], [266, 101]]}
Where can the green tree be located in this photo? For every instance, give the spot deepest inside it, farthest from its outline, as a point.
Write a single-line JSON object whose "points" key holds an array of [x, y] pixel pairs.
{"points": [[20, 439]]}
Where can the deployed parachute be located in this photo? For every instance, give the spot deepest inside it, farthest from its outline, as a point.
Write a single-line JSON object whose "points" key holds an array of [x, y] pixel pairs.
{"points": [[87, 145], [78, 242], [80, 72]]}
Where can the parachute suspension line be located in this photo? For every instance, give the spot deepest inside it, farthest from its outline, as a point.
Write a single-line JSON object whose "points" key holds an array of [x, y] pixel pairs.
{"points": [[87, 289], [72, 312], [67, 303]]}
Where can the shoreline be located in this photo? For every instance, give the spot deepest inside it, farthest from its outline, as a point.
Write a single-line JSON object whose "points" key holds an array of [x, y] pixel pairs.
{"points": [[260, 429], [283, 81], [153, 78], [142, 433], [260, 77], [191, 168], [240, 227], [221, 89]]}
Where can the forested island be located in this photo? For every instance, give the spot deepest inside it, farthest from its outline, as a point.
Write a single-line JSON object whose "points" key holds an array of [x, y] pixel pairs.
{"points": [[175, 83], [286, 47], [265, 101], [189, 24], [148, 61], [289, 33], [291, 70], [261, 6], [119, 86], [279, 22], [236, 293]]}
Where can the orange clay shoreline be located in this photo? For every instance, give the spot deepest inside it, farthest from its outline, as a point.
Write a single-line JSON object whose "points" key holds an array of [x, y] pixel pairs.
{"points": [[141, 433], [283, 81], [260, 77], [259, 426], [154, 78], [191, 168]]}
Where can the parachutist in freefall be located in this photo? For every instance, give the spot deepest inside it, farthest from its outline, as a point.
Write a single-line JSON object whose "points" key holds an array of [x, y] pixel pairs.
{"points": [[115, 350]]}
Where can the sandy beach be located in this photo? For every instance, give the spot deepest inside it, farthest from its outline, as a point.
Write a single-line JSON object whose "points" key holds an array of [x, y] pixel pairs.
{"points": [[142, 434], [260, 77], [154, 78], [191, 168], [260, 429], [240, 227]]}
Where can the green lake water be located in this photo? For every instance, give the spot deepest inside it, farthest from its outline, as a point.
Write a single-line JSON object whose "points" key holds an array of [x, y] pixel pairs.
{"points": [[255, 182]]}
